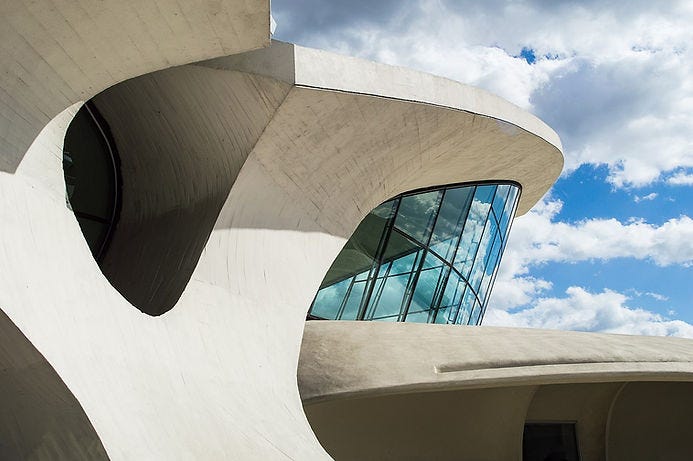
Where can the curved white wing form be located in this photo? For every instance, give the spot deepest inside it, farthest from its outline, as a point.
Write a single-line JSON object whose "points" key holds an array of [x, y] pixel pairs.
{"points": [[241, 180]]}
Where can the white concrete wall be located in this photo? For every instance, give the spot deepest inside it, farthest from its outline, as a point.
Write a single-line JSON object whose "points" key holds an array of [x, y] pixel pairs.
{"points": [[215, 377]]}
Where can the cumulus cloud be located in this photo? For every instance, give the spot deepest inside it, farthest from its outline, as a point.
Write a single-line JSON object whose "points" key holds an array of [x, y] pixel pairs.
{"points": [[681, 179], [538, 237], [581, 310], [613, 78], [519, 299]]}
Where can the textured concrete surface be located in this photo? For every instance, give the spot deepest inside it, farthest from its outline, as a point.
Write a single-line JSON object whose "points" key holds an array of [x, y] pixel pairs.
{"points": [[338, 358], [215, 376], [479, 136]]}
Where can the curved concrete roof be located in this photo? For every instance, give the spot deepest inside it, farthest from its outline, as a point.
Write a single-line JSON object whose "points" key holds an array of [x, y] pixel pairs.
{"points": [[458, 133], [359, 359]]}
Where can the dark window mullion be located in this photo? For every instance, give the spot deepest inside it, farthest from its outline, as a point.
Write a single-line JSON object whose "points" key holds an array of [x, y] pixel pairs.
{"points": [[410, 295], [476, 253], [502, 250], [377, 260], [340, 310], [379, 292]]}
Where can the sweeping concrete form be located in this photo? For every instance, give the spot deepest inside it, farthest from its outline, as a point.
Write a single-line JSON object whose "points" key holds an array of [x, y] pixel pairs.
{"points": [[244, 166]]}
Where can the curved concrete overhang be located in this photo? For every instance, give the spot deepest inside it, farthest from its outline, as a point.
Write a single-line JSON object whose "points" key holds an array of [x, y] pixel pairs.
{"points": [[335, 145], [440, 131], [361, 359], [55, 54]]}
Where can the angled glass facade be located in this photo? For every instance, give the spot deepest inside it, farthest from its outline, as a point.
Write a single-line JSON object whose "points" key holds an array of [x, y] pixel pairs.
{"points": [[428, 256]]}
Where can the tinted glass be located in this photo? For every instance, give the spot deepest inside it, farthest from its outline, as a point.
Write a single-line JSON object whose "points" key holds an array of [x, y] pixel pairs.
{"points": [[421, 257], [91, 177]]}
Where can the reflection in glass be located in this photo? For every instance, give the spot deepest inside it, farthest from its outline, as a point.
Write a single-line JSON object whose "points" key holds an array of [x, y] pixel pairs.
{"points": [[421, 257], [91, 177]]}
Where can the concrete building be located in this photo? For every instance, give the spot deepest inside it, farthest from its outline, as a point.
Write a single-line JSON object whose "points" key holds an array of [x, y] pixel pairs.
{"points": [[173, 189]]}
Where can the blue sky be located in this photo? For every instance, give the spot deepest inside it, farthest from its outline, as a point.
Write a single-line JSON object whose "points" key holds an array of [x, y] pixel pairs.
{"points": [[610, 247]]}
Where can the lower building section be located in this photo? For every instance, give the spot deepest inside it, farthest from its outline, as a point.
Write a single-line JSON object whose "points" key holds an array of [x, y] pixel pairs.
{"points": [[495, 393]]}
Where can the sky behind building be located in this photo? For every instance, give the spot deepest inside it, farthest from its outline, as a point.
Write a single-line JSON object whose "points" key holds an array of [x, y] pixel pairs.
{"points": [[610, 247]]}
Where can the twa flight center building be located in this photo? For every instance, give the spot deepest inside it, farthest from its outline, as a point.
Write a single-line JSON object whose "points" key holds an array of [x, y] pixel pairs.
{"points": [[179, 193]]}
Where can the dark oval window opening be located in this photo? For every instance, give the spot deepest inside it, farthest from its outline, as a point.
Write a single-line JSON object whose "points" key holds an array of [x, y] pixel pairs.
{"points": [[92, 177]]}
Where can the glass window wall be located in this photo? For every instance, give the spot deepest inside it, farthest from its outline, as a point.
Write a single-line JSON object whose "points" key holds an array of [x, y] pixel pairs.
{"points": [[427, 257]]}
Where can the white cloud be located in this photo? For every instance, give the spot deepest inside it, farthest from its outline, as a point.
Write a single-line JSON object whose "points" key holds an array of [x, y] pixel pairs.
{"points": [[643, 198], [606, 312], [658, 297], [681, 179], [537, 238]]}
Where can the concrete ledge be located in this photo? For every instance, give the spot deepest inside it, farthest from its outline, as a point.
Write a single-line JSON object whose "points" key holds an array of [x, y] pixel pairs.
{"points": [[359, 359]]}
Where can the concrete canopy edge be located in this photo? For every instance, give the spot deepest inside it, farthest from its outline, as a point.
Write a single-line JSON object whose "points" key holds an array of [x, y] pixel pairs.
{"points": [[312, 69], [338, 359]]}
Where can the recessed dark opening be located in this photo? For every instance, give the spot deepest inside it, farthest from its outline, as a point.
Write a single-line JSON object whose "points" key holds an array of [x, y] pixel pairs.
{"points": [[550, 442], [92, 177]]}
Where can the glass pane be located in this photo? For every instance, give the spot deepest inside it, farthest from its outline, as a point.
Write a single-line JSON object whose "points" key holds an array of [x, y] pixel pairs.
{"points": [[453, 212], [509, 207], [465, 312], [484, 194], [418, 317], [483, 254], [388, 300], [329, 300], [499, 200], [428, 285], [473, 230], [360, 250], [476, 314], [88, 168], [416, 214], [490, 268], [452, 297], [398, 248], [353, 301]]}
